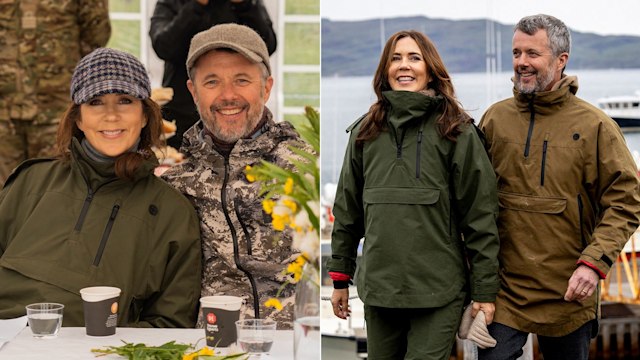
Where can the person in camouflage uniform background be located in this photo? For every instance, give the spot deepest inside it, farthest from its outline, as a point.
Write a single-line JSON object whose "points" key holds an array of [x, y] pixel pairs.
{"points": [[40, 43], [230, 83]]}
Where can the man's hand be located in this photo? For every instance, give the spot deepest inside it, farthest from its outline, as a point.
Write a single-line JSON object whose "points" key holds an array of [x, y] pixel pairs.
{"points": [[202, 2], [340, 303], [582, 284], [488, 308]]}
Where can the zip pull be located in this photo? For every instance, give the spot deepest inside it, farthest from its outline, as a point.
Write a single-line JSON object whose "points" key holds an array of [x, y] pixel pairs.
{"points": [[85, 209], [544, 158], [114, 212]]}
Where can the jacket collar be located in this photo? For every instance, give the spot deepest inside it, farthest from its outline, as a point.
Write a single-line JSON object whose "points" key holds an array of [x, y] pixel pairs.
{"points": [[547, 102], [98, 173], [406, 106]]}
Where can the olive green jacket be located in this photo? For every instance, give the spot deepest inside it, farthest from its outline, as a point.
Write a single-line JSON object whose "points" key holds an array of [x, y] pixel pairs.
{"points": [[65, 225], [412, 195], [568, 191]]}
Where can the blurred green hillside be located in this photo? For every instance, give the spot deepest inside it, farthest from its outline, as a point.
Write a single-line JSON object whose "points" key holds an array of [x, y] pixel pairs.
{"points": [[352, 48]]}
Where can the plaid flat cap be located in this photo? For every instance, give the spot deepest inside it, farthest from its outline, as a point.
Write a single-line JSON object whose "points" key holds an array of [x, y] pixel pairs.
{"points": [[109, 71]]}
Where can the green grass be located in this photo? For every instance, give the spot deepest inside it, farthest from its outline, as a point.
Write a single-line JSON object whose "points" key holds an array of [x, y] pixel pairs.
{"points": [[124, 5], [302, 7], [302, 44], [302, 89], [125, 35]]}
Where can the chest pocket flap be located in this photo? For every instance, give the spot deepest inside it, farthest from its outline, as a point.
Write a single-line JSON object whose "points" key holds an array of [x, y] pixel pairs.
{"points": [[418, 196], [537, 204]]}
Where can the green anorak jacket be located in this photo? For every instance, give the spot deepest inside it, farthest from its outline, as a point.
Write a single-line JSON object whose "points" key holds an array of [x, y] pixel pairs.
{"points": [[411, 194], [568, 193], [65, 225]]}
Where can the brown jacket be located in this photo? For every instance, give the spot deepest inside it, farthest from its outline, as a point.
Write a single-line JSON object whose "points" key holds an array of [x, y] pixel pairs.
{"points": [[568, 191]]}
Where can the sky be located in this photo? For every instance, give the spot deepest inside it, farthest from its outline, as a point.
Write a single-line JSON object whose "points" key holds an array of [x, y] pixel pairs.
{"points": [[611, 17]]}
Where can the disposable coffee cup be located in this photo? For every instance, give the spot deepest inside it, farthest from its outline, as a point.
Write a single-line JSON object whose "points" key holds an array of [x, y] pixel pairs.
{"points": [[100, 309], [220, 314]]}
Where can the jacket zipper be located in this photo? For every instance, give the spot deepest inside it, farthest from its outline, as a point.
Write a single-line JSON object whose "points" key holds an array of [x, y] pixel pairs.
{"points": [[544, 158], [418, 150], [399, 144], [418, 154], [85, 210], [580, 208], [234, 238], [236, 207], [105, 234], [531, 121]]}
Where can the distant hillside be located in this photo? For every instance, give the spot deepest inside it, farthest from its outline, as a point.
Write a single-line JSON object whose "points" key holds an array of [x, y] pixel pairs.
{"points": [[352, 48]]}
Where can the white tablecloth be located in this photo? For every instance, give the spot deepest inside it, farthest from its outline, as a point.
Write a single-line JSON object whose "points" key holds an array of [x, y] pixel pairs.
{"points": [[72, 343]]}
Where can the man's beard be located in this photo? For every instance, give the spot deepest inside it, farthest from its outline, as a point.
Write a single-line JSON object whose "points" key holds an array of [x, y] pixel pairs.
{"points": [[231, 134], [542, 81]]}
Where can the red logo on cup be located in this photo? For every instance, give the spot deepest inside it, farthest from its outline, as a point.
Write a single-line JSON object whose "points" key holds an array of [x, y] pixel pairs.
{"points": [[211, 318]]}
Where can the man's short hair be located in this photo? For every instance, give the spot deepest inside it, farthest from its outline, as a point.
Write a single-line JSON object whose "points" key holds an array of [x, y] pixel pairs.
{"points": [[557, 32]]}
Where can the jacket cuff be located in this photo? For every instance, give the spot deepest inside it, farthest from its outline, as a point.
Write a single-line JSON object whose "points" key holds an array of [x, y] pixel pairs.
{"points": [[338, 276], [596, 260], [592, 267], [341, 284], [485, 292]]}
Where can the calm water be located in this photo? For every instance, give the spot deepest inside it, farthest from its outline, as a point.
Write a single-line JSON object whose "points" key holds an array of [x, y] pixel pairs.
{"points": [[345, 99]]}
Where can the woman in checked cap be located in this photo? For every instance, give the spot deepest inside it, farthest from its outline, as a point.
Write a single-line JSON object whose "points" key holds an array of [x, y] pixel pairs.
{"points": [[96, 214]]}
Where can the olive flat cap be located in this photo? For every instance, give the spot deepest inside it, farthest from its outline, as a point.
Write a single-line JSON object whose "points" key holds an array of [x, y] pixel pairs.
{"points": [[237, 37]]}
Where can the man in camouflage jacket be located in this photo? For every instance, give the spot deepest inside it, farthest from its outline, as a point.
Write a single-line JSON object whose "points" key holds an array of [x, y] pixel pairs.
{"points": [[40, 43], [230, 80]]}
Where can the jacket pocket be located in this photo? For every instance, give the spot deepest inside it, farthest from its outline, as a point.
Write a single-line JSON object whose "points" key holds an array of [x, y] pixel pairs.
{"points": [[408, 196], [536, 204]]}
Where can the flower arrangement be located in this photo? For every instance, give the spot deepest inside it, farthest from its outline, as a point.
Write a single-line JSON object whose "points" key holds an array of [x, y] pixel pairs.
{"points": [[292, 198]]}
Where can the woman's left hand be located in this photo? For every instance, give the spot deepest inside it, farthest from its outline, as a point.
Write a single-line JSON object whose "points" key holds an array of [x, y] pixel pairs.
{"points": [[488, 308]]}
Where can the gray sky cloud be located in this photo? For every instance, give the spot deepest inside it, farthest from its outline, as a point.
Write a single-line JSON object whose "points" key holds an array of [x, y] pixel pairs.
{"points": [[613, 17]]}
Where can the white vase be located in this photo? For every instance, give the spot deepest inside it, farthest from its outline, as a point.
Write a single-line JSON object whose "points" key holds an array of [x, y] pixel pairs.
{"points": [[306, 326]]}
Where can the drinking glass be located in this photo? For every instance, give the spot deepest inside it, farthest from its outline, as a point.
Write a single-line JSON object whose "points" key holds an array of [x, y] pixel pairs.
{"points": [[45, 319], [255, 336]]}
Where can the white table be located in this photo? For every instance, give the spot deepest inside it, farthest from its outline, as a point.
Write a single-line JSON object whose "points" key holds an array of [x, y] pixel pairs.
{"points": [[72, 343]]}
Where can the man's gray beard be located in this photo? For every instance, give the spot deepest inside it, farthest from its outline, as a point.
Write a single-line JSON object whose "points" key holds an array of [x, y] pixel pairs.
{"points": [[539, 86], [231, 136]]}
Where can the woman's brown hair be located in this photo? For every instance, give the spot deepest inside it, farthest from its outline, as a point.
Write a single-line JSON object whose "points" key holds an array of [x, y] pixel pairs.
{"points": [[453, 115], [126, 164]]}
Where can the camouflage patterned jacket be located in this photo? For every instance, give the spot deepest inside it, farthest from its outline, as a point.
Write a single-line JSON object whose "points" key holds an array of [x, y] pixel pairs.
{"points": [[231, 215], [40, 43]]}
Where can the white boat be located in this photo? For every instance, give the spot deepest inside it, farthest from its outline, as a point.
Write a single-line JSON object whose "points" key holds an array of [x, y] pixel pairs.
{"points": [[625, 110]]}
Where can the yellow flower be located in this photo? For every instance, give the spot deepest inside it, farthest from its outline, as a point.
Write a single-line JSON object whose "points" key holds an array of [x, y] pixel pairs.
{"points": [[274, 303], [205, 351], [250, 177], [288, 186], [291, 204], [279, 221], [295, 268], [268, 205]]}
